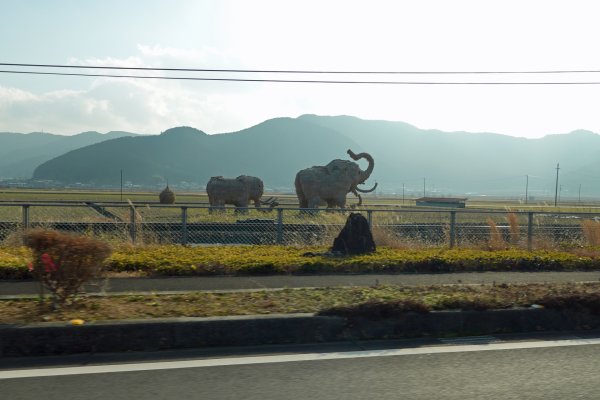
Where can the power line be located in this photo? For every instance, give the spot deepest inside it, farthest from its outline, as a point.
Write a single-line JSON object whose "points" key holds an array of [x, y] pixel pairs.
{"points": [[191, 78], [300, 71]]}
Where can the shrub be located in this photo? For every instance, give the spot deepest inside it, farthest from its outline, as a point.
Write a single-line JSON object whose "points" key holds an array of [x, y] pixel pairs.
{"points": [[176, 260], [63, 263]]}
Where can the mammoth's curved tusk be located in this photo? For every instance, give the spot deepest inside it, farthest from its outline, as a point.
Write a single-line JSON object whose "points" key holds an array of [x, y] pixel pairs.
{"points": [[271, 201], [367, 190]]}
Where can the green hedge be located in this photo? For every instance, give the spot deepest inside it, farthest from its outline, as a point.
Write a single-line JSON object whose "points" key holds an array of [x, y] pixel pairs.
{"points": [[13, 263], [175, 260]]}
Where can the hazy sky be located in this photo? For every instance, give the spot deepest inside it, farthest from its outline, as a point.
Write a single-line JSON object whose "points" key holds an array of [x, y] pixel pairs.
{"points": [[523, 35]]}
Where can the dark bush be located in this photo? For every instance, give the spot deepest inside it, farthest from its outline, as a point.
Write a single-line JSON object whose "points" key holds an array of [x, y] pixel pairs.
{"points": [[376, 310], [587, 302]]}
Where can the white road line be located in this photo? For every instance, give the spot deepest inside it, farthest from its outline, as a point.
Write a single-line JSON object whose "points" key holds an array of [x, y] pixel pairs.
{"points": [[217, 362]]}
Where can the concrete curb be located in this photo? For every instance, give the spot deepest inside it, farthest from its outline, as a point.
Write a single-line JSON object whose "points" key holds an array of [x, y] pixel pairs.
{"points": [[236, 283], [179, 333]]}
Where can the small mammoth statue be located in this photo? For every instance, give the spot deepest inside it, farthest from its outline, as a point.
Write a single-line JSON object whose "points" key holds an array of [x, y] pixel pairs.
{"points": [[238, 191]]}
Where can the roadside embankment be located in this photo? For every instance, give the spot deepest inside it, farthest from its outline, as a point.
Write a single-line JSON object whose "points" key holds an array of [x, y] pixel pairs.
{"points": [[178, 333]]}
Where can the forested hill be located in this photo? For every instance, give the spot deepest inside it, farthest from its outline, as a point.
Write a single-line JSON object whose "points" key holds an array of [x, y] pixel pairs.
{"points": [[21, 153], [273, 150], [449, 162]]}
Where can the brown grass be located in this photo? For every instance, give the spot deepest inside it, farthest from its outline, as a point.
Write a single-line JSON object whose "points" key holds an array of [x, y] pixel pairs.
{"points": [[540, 242], [514, 228], [13, 239], [496, 241], [385, 237], [591, 232]]}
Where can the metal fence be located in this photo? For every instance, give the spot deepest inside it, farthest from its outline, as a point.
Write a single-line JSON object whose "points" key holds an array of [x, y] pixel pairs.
{"points": [[199, 224]]}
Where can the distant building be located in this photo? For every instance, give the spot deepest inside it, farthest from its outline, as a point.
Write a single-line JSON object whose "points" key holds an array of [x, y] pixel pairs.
{"points": [[449, 202]]}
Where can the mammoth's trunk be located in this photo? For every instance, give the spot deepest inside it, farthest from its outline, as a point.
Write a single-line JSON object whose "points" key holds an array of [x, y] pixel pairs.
{"points": [[364, 175], [359, 197]]}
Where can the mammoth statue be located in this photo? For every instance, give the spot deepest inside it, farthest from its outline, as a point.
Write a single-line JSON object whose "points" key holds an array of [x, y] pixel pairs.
{"points": [[238, 192], [331, 183]]}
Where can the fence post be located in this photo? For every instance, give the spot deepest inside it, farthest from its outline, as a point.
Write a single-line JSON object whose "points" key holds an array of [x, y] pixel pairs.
{"points": [[25, 213], [184, 229], [370, 218], [452, 228], [529, 230], [132, 224], [279, 239]]}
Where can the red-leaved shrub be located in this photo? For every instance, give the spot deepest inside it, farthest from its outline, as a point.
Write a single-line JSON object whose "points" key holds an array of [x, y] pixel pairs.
{"points": [[64, 262]]}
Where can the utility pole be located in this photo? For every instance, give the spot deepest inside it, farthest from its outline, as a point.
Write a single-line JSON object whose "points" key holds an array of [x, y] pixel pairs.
{"points": [[403, 193], [423, 187], [526, 187], [579, 201], [121, 185], [556, 187], [559, 191]]}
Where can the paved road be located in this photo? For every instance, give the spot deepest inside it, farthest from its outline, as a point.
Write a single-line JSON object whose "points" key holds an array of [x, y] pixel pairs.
{"points": [[175, 284], [496, 369]]}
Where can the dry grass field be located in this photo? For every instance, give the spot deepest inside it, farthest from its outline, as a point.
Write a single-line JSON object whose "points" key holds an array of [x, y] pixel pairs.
{"points": [[340, 301], [285, 199]]}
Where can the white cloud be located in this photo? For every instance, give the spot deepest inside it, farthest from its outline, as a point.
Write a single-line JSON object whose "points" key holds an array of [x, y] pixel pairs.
{"points": [[13, 95], [151, 106], [196, 58], [129, 62], [158, 51], [139, 105]]}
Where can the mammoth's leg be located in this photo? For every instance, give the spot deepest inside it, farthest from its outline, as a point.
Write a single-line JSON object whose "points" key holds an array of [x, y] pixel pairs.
{"points": [[330, 205], [303, 203], [220, 205], [313, 202], [340, 200], [241, 207], [211, 204], [302, 199]]}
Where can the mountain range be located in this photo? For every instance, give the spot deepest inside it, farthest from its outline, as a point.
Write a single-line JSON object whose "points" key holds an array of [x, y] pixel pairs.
{"points": [[20, 153], [420, 161]]}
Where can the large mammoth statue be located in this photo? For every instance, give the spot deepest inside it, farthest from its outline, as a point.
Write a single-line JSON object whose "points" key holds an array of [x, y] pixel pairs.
{"points": [[238, 192], [331, 183]]}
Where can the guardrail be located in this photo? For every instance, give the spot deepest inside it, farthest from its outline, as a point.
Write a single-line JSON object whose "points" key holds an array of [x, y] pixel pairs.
{"points": [[200, 224]]}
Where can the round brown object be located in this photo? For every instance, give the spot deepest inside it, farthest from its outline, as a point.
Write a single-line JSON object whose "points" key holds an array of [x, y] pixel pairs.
{"points": [[167, 196]]}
